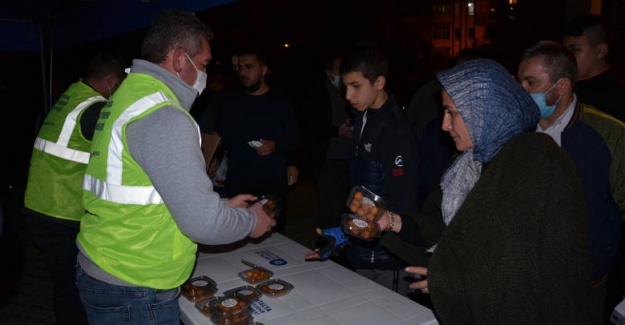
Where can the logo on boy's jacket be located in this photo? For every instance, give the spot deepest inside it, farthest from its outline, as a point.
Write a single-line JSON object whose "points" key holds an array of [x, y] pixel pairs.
{"points": [[399, 166], [399, 161], [368, 147]]}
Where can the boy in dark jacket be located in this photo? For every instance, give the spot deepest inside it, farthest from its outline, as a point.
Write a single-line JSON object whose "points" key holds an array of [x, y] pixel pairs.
{"points": [[383, 158]]}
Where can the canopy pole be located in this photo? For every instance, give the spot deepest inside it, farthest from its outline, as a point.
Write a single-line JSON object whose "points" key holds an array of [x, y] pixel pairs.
{"points": [[42, 51]]}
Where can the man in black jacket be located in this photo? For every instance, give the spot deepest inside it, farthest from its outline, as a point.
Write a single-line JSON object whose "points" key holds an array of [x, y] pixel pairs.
{"points": [[328, 133]]}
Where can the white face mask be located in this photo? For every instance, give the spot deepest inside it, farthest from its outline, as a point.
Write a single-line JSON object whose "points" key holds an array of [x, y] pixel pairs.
{"points": [[200, 79]]}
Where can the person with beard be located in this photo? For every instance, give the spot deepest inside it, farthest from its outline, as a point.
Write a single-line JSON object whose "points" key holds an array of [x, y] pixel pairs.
{"points": [[259, 134], [593, 140], [148, 200]]}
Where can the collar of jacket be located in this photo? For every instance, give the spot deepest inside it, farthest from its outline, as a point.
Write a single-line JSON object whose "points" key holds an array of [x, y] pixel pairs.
{"points": [[388, 104], [576, 113]]}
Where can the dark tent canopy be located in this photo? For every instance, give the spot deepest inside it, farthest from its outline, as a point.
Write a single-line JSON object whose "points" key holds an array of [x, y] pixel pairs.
{"points": [[44, 46], [35, 25]]}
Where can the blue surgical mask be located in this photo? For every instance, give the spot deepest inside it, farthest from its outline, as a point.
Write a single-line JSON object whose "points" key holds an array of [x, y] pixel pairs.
{"points": [[541, 100]]}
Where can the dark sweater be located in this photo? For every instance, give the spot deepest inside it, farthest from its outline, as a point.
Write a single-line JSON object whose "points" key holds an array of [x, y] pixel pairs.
{"points": [[603, 92], [245, 118], [516, 251]]}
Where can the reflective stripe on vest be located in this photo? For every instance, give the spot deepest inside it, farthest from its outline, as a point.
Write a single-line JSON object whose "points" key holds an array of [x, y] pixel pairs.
{"points": [[59, 148], [112, 190]]}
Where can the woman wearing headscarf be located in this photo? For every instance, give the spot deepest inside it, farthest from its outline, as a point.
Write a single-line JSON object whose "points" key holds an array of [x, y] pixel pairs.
{"points": [[507, 231]]}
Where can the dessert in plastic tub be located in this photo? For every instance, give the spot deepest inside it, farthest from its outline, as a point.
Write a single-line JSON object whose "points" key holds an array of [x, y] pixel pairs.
{"points": [[199, 288], [360, 227], [204, 306], [230, 310], [275, 288], [365, 204], [255, 275], [247, 293]]}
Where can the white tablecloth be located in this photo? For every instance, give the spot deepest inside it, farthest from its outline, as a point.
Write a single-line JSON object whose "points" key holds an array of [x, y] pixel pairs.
{"points": [[325, 293]]}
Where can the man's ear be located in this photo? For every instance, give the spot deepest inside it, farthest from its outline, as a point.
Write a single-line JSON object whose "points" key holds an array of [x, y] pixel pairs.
{"points": [[111, 80], [177, 57], [602, 50], [564, 86], [380, 82]]}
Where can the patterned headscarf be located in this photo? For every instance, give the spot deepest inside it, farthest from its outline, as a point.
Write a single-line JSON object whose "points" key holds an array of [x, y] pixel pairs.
{"points": [[495, 108]]}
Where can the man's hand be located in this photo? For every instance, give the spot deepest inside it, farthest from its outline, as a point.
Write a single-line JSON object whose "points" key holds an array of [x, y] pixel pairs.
{"points": [[316, 254], [345, 130], [267, 148], [329, 243], [292, 174], [263, 223], [240, 201]]}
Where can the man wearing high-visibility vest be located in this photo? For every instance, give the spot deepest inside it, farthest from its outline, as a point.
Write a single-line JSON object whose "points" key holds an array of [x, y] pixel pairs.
{"points": [[147, 195], [53, 198]]}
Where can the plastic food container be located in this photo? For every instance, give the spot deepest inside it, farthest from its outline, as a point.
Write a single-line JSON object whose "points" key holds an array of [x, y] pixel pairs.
{"points": [[255, 275], [204, 307], [360, 227], [275, 288], [230, 310], [248, 293], [365, 204], [199, 288]]}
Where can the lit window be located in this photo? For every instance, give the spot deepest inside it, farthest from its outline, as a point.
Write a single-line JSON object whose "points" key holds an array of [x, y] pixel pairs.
{"points": [[471, 6]]}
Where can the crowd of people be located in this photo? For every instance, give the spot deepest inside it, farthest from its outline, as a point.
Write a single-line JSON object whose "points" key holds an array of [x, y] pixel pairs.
{"points": [[504, 190]]}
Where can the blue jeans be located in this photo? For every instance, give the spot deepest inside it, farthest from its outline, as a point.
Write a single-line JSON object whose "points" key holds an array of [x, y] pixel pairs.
{"points": [[111, 304]]}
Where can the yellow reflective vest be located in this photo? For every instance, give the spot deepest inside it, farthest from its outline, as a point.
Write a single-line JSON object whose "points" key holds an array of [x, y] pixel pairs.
{"points": [[128, 231], [60, 157]]}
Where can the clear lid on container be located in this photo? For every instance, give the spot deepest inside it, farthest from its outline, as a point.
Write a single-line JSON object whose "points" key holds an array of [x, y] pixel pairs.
{"points": [[360, 227], [230, 309], [365, 204], [275, 288], [199, 288], [255, 275], [246, 292], [204, 306]]}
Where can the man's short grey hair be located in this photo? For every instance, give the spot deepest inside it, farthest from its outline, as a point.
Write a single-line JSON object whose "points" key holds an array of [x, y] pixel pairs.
{"points": [[557, 59], [174, 29]]}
